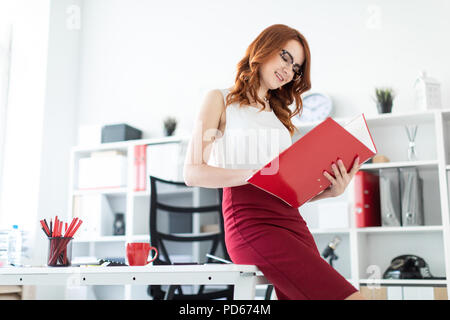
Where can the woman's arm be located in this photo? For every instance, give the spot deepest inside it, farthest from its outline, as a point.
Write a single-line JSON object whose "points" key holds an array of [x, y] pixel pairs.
{"points": [[213, 177], [323, 195], [196, 170]]}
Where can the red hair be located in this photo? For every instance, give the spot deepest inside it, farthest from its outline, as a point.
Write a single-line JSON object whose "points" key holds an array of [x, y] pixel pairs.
{"points": [[269, 42]]}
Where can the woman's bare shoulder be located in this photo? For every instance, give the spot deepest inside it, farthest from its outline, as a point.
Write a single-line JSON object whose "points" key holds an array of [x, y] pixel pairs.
{"points": [[213, 103]]}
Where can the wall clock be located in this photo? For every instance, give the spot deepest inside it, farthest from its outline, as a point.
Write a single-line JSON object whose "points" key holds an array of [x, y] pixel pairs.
{"points": [[316, 107]]}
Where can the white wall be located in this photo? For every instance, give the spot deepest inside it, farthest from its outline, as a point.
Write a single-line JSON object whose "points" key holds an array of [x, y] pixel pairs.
{"points": [[59, 126], [5, 57], [41, 123], [143, 60], [61, 98], [19, 197]]}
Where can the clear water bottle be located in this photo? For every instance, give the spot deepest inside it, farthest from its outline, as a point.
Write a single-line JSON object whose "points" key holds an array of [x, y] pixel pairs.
{"points": [[15, 246], [4, 235]]}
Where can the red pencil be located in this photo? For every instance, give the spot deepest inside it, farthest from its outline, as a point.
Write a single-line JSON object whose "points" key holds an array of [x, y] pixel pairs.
{"points": [[72, 224], [55, 231], [76, 228], [44, 227]]}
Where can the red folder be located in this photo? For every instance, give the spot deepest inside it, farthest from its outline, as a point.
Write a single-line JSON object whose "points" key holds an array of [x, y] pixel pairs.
{"points": [[296, 174], [137, 156], [143, 168], [140, 167], [367, 200]]}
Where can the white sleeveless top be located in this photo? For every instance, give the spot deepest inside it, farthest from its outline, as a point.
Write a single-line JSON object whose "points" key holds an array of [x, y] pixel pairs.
{"points": [[251, 139]]}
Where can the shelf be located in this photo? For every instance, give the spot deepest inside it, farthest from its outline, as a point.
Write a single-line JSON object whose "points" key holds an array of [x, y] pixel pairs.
{"points": [[123, 191], [316, 231], [399, 164], [404, 282], [400, 229], [329, 231], [102, 239], [164, 192], [385, 119], [123, 145], [105, 191], [140, 237], [400, 119]]}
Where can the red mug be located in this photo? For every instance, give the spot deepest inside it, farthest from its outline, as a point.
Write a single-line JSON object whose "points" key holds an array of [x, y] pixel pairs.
{"points": [[138, 252]]}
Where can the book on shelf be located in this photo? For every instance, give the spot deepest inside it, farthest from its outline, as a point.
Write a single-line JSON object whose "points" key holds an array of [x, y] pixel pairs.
{"points": [[140, 167], [401, 197], [108, 153], [367, 200], [391, 214], [411, 188], [296, 174]]}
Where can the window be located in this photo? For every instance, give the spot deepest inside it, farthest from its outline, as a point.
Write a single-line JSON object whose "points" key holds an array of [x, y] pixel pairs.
{"points": [[5, 57]]}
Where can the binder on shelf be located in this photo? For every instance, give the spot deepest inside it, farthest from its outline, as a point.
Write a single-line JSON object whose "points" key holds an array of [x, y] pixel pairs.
{"points": [[140, 167], [411, 197], [367, 200], [390, 197], [296, 174], [136, 167], [143, 168]]}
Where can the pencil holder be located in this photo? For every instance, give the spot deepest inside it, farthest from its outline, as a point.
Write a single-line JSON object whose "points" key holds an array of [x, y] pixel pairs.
{"points": [[59, 252]]}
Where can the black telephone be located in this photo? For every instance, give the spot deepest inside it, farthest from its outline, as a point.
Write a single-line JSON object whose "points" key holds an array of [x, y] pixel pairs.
{"points": [[408, 267]]}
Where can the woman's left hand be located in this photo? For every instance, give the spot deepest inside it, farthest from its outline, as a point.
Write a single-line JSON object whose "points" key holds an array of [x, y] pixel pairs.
{"points": [[342, 178]]}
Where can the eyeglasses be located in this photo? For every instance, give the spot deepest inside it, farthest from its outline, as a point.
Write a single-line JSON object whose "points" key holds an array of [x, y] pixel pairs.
{"points": [[296, 68]]}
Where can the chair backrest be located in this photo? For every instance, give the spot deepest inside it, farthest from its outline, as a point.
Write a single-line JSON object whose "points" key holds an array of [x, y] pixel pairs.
{"points": [[157, 236]]}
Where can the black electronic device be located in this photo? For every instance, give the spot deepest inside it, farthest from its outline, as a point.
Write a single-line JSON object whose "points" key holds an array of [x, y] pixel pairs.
{"points": [[119, 224], [112, 262], [120, 132], [408, 267], [329, 251]]}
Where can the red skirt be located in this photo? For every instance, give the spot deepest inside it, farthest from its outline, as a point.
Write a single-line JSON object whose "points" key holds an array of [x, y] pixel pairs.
{"points": [[262, 230]]}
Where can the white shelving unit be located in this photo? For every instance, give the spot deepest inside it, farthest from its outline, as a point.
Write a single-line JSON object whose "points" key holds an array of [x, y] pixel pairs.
{"points": [[135, 206], [125, 197], [364, 253]]}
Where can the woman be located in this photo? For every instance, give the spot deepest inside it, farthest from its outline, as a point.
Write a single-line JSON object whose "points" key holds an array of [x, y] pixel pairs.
{"points": [[261, 229]]}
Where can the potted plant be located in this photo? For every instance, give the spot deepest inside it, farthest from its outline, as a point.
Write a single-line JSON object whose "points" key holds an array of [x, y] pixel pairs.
{"points": [[384, 98], [170, 124]]}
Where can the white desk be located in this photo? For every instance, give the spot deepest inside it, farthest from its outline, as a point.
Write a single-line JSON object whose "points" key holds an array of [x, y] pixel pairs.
{"points": [[243, 277]]}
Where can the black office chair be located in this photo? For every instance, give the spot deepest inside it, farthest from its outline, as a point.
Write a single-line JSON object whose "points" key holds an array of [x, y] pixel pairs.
{"points": [[268, 294], [175, 292]]}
